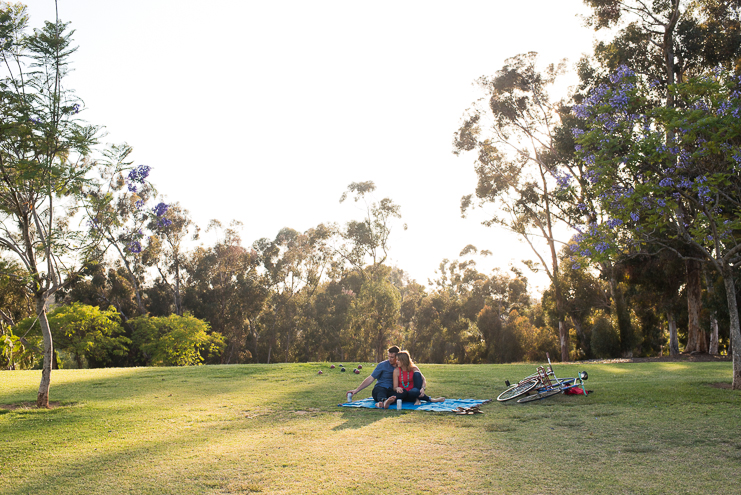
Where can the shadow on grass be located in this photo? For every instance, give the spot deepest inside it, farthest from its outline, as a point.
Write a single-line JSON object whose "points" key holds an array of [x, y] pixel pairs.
{"points": [[356, 418]]}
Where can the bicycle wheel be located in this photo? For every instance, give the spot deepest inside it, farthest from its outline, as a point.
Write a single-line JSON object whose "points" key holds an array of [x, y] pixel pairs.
{"points": [[539, 395], [517, 390]]}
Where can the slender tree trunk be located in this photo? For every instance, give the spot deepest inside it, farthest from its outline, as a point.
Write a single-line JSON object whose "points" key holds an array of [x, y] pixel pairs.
{"points": [[735, 330], [42, 399], [582, 337], [673, 339], [270, 350], [696, 337], [713, 347], [178, 303], [625, 327], [563, 335]]}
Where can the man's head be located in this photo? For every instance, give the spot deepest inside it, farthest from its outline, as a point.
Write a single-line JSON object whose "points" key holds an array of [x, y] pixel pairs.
{"points": [[393, 350]]}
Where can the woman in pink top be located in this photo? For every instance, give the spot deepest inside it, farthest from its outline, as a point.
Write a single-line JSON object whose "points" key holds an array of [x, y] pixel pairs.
{"points": [[409, 383]]}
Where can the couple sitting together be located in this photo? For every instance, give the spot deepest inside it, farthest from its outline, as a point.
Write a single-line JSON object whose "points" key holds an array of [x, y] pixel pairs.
{"points": [[398, 378]]}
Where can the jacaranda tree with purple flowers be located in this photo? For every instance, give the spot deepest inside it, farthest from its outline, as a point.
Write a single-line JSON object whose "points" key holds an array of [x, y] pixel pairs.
{"points": [[118, 215], [668, 175]]}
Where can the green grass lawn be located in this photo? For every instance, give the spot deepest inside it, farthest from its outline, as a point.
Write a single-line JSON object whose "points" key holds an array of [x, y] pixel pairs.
{"points": [[648, 428]]}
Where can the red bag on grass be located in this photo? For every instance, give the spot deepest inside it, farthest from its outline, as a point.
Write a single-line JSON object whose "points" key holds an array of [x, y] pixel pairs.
{"points": [[575, 391]]}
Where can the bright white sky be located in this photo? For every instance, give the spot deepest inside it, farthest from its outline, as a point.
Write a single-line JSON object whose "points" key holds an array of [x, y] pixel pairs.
{"points": [[264, 111]]}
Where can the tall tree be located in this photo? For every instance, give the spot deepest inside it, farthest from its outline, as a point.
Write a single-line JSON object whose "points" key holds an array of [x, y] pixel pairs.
{"points": [[165, 251], [43, 163], [517, 164]]}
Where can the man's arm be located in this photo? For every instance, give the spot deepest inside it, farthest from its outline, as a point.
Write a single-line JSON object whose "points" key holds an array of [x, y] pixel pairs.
{"points": [[365, 383]]}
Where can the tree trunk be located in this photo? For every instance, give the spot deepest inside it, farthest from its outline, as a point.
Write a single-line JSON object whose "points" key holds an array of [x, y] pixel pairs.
{"points": [[735, 331], [625, 327], [713, 348], [696, 337], [178, 303], [673, 339], [42, 399], [270, 350], [582, 338], [563, 335]]}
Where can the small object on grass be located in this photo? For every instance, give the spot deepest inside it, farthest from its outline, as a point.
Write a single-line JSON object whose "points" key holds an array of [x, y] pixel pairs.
{"points": [[342, 369], [360, 366], [320, 372], [356, 371], [331, 367]]}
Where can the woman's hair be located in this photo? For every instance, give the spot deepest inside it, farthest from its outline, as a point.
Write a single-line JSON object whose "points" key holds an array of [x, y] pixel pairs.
{"points": [[405, 361]]}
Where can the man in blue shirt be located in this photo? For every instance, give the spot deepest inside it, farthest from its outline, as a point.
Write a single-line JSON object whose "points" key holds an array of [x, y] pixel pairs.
{"points": [[383, 392]]}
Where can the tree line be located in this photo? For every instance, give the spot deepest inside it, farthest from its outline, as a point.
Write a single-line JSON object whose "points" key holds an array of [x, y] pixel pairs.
{"points": [[640, 161]]}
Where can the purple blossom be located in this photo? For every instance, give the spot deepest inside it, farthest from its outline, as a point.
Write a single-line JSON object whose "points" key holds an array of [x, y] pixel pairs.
{"points": [[661, 202], [139, 173], [139, 204], [132, 188], [634, 216], [160, 209], [666, 182], [602, 247], [135, 247], [622, 72]]}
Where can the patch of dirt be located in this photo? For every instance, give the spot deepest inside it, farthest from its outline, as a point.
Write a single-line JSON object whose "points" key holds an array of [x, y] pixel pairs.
{"points": [[723, 385], [53, 404]]}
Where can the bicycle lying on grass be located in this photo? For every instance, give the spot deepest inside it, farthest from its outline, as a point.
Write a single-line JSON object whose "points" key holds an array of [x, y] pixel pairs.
{"points": [[544, 383]]}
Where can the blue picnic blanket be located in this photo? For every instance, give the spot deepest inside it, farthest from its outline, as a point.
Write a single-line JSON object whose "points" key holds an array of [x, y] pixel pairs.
{"points": [[449, 405]]}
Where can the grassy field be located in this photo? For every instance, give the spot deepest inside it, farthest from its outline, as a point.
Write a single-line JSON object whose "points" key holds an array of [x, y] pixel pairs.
{"points": [[648, 428]]}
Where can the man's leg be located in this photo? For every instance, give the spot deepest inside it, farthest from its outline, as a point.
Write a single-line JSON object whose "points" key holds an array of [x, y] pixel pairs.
{"points": [[379, 393], [418, 382]]}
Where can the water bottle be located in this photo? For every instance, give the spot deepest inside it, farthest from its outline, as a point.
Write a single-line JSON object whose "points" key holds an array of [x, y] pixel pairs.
{"points": [[398, 404], [349, 397]]}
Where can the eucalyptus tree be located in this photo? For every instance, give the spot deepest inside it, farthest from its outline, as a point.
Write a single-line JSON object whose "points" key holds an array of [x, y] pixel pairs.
{"points": [[668, 40], [295, 265], [44, 164], [166, 251], [364, 244], [224, 287], [518, 165]]}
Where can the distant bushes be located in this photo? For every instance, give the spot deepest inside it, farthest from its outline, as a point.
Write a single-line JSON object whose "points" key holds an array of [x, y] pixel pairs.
{"points": [[87, 337], [605, 339]]}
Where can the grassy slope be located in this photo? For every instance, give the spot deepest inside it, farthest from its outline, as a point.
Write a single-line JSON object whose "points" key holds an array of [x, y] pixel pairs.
{"points": [[648, 428]]}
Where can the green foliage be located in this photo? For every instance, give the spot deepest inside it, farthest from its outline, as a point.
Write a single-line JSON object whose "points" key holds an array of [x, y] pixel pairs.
{"points": [[605, 339], [175, 340], [91, 335], [373, 318]]}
